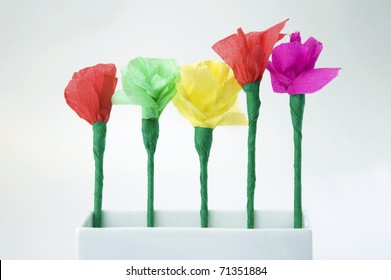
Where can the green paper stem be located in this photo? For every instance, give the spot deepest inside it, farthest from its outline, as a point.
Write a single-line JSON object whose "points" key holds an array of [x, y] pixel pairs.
{"points": [[253, 105], [150, 131], [99, 139], [296, 104], [203, 138]]}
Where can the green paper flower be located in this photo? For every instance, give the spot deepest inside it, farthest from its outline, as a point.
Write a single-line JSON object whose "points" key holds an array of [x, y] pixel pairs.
{"points": [[149, 82]]}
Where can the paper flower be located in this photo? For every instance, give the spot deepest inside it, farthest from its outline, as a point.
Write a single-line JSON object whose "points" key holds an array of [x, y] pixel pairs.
{"points": [[90, 90], [89, 95], [207, 97], [292, 67], [247, 55], [292, 71], [151, 83]]}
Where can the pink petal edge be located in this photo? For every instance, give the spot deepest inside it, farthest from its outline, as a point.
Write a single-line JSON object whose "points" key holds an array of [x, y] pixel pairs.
{"points": [[312, 80]]}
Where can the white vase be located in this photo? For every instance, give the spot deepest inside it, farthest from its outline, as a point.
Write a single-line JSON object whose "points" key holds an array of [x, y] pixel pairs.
{"points": [[177, 235]]}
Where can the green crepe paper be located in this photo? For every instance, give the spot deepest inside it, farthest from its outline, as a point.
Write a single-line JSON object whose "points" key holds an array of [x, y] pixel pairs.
{"points": [[99, 132], [253, 104], [149, 82], [150, 131], [203, 138], [296, 103]]}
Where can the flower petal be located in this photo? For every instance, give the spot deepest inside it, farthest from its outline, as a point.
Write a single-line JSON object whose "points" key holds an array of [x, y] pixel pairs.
{"points": [[104, 85], [228, 49], [166, 95], [295, 37], [228, 94], [233, 50], [138, 76], [220, 71], [201, 85], [130, 96], [234, 116], [270, 37], [289, 59], [187, 108], [280, 83], [314, 48], [255, 67], [312, 80], [80, 95]]}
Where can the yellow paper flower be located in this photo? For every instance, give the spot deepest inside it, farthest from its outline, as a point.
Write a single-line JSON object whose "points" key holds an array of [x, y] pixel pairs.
{"points": [[207, 95]]}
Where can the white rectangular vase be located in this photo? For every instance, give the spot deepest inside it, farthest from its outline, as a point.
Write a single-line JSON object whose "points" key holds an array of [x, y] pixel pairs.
{"points": [[177, 235]]}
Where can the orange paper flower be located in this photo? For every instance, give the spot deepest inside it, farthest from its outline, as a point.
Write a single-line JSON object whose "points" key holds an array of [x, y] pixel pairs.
{"points": [[248, 54], [90, 90]]}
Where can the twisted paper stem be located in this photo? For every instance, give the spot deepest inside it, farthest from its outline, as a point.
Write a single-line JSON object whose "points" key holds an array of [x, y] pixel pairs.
{"points": [[99, 139], [253, 104], [203, 138], [296, 104], [150, 131]]}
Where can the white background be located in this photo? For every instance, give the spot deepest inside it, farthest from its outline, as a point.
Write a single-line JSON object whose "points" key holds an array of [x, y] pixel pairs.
{"points": [[46, 163]]}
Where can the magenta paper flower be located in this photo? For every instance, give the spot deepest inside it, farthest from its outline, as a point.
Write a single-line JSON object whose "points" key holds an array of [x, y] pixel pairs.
{"points": [[292, 71], [292, 67]]}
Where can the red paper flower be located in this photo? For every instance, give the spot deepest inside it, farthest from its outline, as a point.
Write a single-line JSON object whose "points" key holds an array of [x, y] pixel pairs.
{"points": [[90, 90], [248, 54]]}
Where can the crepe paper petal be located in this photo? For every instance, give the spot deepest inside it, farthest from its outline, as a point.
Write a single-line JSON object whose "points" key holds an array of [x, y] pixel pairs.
{"points": [[90, 90], [278, 86], [279, 81], [290, 59], [121, 97], [312, 80], [150, 131], [234, 117], [207, 91], [99, 140], [149, 82], [296, 104], [247, 54], [314, 49], [295, 37], [203, 138], [86, 105]]}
